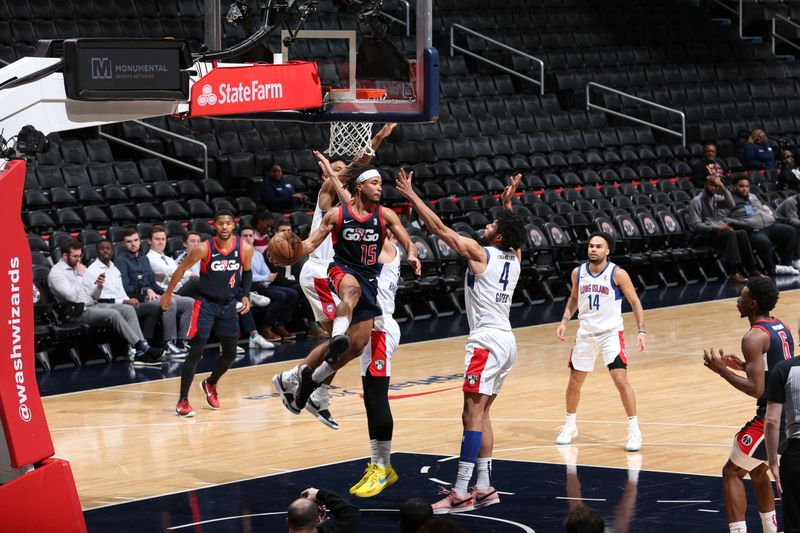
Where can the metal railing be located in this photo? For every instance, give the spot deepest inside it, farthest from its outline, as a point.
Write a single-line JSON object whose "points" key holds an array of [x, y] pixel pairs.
{"points": [[738, 11], [590, 105], [203, 171], [454, 47], [407, 21], [777, 37]]}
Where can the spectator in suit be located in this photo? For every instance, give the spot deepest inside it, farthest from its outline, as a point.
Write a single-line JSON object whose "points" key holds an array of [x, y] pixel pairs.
{"points": [[757, 154], [706, 220], [789, 178], [789, 213], [277, 193], [766, 236], [307, 513], [139, 281], [710, 164], [68, 284]]}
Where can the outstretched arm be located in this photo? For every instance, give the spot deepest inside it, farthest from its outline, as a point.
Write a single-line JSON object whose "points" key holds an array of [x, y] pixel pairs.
{"points": [[572, 306], [465, 246], [623, 281], [332, 185], [329, 223], [509, 191], [393, 223]]}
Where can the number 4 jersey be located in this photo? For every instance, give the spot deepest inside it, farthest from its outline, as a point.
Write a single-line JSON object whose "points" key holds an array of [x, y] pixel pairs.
{"points": [[488, 294], [599, 300]]}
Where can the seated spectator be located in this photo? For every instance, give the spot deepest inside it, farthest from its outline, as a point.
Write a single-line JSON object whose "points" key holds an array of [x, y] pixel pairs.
{"points": [[190, 240], [789, 213], [789, 178], [583, 519], [139, 282], [307, 513], [113, 291], [277, 193], [757, 154], [414, 512], [283, 300], [766, 236], [263, 221], [164, 266], [440, 524], [705, 220], [66, 282], [710, 164]]}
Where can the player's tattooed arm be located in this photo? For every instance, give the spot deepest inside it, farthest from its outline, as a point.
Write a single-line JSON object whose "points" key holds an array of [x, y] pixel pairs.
{"points": [[329, 224]]}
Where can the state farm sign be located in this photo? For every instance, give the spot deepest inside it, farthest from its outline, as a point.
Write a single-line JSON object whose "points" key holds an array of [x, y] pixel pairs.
{"points": [[257, 88]]}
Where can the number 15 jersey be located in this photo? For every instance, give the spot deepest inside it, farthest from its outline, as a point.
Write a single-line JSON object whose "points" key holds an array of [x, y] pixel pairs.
{"points": [[488, 295], [599, 299]]}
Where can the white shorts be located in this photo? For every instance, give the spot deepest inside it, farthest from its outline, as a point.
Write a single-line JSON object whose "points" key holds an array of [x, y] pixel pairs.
{"points": [[609, 345], [315, 285], [377, 355], [491, 354]]}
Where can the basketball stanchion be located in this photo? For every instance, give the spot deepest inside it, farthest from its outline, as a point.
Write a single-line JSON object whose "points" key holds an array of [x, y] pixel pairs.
{"points": [[37, 492]]}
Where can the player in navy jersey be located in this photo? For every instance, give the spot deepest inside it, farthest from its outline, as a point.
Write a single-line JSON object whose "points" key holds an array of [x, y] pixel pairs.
{"points": [[358, 230], [493, 269], [767, 342], [224, 275]]}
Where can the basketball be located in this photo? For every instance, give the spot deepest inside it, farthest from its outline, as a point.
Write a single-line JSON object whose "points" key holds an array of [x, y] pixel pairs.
{"points": [[285, 248]]}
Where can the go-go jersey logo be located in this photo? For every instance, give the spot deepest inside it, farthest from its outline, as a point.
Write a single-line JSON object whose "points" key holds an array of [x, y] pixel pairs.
{"points": [[223, 265], [360, 235]]}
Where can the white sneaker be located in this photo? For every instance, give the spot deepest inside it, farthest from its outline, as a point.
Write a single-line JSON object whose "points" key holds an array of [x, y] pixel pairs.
{"points": [[239, 350], [786, 270], [318, 404], [173, 351], [796, 264], [634, 440], [260, 343], [259, 300], [567, 434]]}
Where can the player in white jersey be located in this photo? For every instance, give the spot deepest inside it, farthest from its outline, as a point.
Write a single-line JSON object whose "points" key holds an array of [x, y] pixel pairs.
{"points": [[597, 290], [376, 371], [491, 349]]}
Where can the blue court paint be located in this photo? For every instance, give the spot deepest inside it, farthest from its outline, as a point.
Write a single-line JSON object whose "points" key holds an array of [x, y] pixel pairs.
{"points": [[539, 499]]}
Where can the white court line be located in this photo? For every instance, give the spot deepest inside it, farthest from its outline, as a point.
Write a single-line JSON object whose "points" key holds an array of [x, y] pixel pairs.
{"points": [[424, 470], [581, 499], [439, 481], [123, 498], [708, 510], [445, 459], [683, 501], [506, 493]]}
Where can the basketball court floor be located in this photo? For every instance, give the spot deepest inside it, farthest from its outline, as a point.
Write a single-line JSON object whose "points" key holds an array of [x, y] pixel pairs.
{"points": [[140, 468]]}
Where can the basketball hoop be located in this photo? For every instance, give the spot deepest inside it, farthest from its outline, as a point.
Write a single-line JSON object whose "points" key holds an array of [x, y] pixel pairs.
{"points": [[352, 139]]}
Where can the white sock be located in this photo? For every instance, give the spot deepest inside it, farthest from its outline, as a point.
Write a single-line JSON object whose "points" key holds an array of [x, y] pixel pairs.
{"points": [[484, 466], [633, 422], [373, 446], [572, 468], [340, 325], [384, 452], [569, 420], [738, 527], [768, 522], [633, 475], [464, 476], [321, 374]]}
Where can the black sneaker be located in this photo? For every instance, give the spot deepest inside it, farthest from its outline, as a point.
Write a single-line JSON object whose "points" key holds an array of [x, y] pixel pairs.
{"points": [[151, 357], [283, 386], [336, 347], [306, 387]]}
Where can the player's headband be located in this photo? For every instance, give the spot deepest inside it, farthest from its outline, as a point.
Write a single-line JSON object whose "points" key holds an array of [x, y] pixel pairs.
{"points": [[368, 174]]}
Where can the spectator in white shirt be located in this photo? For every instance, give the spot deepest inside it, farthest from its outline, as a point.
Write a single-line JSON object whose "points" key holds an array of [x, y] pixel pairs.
{"points": [[113, 292], [164, 266], [66, 282], [190, 240]]}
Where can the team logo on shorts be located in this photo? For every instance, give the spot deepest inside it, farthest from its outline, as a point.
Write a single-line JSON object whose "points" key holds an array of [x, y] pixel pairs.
{"points": [[379, 364], [329, 308], [472, 379], [747, 440]]}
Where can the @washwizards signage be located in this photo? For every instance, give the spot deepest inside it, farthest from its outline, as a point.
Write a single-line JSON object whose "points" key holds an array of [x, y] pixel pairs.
{"points": [[257, 88]]}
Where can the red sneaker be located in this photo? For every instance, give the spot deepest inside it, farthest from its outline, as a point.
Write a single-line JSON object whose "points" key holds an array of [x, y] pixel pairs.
{"points": [[211, 394], [184, 410], [485, 497]]}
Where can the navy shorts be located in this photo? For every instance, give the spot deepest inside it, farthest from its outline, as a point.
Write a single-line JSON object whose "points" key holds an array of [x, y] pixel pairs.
{"points": [[367, 307], [222, 316]]}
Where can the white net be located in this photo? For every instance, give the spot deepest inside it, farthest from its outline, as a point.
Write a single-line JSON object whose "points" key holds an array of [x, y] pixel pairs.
{"points": [[350, 139]]}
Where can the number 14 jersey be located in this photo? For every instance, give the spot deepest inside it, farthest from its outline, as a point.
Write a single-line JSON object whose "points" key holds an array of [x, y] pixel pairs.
{"points": [[599, 300]]}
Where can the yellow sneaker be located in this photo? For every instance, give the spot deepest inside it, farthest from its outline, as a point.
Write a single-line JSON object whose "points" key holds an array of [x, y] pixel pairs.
{"points": [[367, 474], [379, 479]]}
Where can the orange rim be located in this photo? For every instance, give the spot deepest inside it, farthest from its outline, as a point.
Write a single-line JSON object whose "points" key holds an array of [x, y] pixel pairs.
{"points": [[361, 94]]}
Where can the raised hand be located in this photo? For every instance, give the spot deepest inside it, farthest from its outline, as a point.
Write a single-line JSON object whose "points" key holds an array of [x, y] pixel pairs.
{"points": [[403, 183], [510, 190], [324, 165]]}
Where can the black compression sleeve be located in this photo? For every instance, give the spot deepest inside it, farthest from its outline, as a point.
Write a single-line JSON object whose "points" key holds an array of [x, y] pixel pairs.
{"points": [[247, 282]]}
